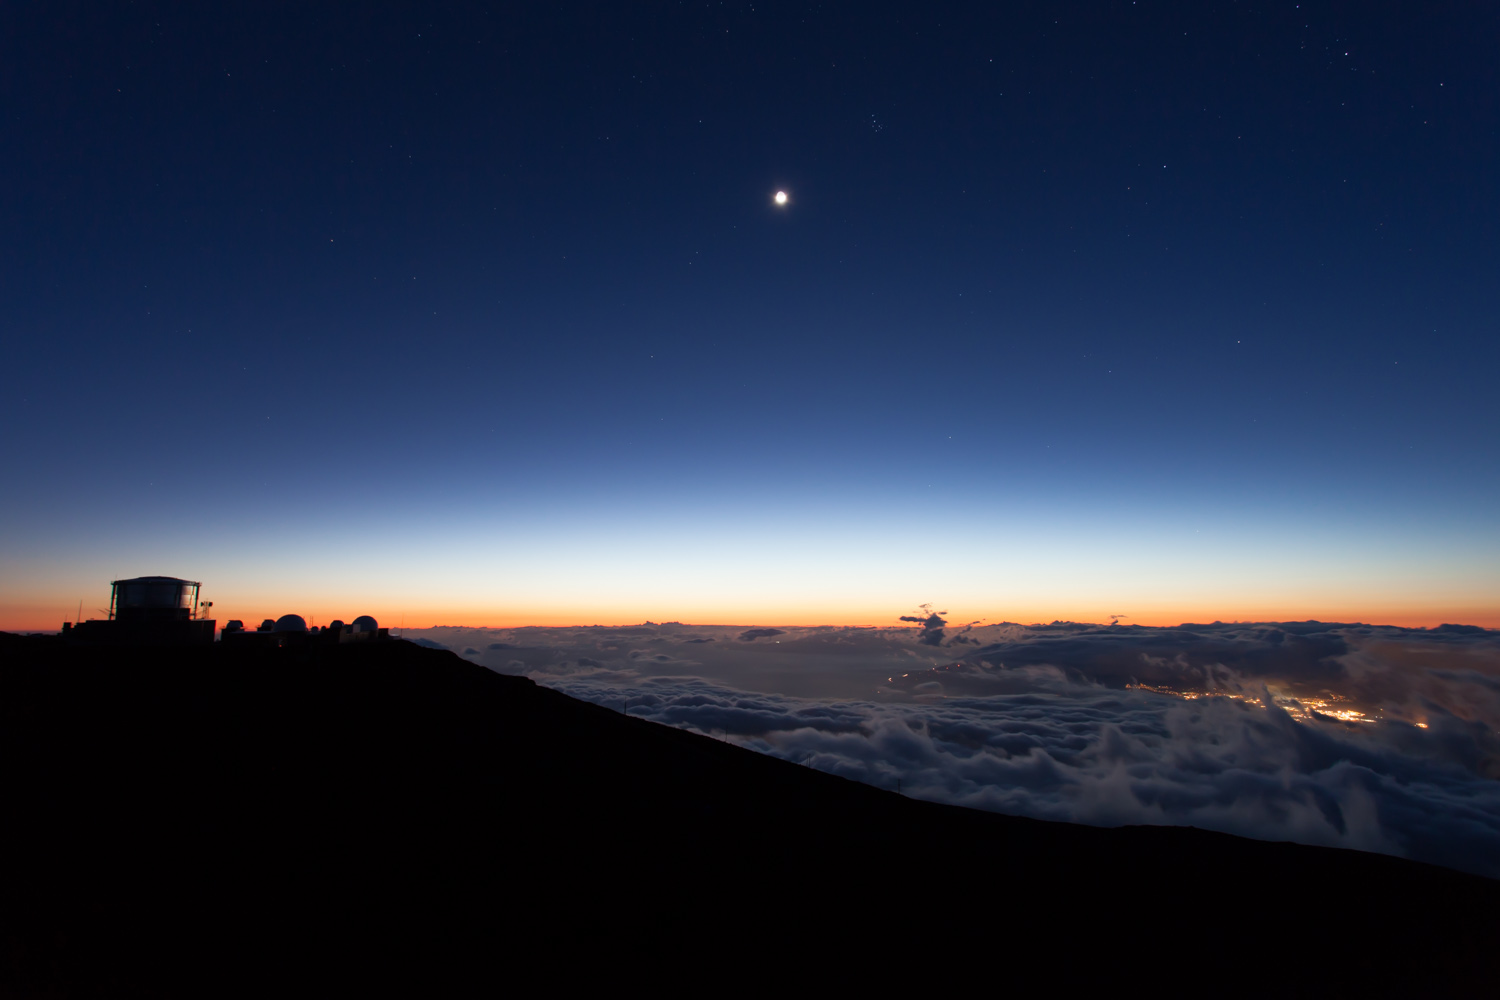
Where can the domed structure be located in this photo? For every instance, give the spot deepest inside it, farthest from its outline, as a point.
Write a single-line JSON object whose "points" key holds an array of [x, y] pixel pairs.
{"points": [[293, 632]]}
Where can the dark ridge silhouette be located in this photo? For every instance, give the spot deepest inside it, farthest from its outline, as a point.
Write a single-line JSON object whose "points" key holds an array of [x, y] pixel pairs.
{"points": [[346, 819]]}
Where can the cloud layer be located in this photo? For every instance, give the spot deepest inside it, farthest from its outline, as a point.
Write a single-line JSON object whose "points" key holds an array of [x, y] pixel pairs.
{"points": [[1375, 738]]}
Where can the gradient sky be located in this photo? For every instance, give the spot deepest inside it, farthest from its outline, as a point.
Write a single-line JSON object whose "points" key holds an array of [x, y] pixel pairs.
{"points": [[486, 316]]}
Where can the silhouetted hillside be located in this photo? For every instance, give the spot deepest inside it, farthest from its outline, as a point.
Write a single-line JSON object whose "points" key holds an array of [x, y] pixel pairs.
{"points": [[342, 819]]}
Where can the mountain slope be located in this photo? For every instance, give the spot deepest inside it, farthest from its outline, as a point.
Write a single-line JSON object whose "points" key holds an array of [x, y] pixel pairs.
{"points": [[221, 820]]}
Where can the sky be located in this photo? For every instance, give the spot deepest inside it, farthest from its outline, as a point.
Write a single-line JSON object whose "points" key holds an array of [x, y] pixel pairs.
{"points": [[488, 317]]}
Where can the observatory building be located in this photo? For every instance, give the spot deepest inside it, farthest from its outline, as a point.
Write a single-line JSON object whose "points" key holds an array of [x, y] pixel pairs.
{"points": [[148, 610], [166, 611], [293, 630]]}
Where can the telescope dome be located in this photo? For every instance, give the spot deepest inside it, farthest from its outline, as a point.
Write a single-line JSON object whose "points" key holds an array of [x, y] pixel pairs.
{"points": [[290, 623], [364, 623]]}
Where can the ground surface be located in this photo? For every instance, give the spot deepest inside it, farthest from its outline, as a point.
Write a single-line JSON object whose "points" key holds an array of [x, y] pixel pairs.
{"points": [[383, 818]]}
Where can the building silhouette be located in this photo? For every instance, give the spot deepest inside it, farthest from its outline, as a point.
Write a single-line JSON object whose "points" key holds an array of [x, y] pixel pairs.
{"points": [[148, 610]]}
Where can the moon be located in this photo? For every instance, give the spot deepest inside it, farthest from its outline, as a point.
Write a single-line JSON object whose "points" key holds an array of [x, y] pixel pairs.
{"points": [[780, 198]]}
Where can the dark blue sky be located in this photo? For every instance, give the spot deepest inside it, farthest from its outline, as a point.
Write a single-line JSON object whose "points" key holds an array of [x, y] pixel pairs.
{"points": [[501, 289]]}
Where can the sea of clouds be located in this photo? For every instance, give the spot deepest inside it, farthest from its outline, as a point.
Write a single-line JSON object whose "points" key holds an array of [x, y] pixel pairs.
{"points": [[1370, 737]]}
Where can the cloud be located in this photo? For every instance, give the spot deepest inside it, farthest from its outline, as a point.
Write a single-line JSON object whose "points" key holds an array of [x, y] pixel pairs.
{"points": [[1096, 756], [932, 625], [751, 634], [1189, 654], [1350, 735]]}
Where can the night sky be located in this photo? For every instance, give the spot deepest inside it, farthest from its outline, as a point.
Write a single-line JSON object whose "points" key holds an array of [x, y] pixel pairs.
{"points": [[457, 315]]}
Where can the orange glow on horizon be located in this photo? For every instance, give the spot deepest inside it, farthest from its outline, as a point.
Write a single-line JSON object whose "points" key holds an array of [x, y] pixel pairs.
{"points": [[252, 610]]}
